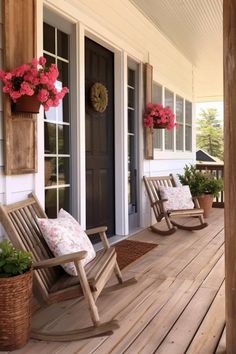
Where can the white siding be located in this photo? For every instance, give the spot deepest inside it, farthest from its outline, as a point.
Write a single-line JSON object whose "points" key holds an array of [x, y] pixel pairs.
{"points": [[124, 28]]}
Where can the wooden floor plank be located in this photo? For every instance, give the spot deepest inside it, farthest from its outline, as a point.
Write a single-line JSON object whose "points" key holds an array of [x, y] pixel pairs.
{"points": [[176, 306], [221, 348], [207, 337]]}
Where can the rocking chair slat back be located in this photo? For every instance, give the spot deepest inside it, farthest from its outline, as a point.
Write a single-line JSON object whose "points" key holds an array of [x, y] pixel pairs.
{"points": [[20, 222]]}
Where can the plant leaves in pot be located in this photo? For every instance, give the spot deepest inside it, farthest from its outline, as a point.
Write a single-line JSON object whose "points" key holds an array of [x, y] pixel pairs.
{"points": [[15, 296], [203, 185]]}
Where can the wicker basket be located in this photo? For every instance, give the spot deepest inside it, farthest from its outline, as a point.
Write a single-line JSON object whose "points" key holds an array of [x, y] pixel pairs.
{"points": [[15, 311]]}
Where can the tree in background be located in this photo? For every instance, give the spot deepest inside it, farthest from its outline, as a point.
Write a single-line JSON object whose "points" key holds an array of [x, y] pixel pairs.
{"points": [[210, 133]]}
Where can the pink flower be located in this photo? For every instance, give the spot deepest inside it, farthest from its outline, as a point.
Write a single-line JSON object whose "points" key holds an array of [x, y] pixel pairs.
{"points": [[34, 78], [43, 95], [35, 62], [42, 61], [158, 116], [26, 89], [15, 95]]}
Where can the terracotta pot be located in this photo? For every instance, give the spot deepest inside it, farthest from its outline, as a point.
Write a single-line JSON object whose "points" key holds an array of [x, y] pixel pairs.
{"points": [[26, 104], [205, 202]]}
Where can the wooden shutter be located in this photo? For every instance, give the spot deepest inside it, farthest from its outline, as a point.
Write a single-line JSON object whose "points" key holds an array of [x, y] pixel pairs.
{"points": [[148, 132], [20, 130]]}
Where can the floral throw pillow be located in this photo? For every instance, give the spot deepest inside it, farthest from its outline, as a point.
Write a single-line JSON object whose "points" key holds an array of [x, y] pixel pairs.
{"points": [[64, 235], [178, 197]]}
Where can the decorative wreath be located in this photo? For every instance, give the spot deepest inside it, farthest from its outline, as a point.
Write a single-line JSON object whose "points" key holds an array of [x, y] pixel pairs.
{"points": [[99, 97]]}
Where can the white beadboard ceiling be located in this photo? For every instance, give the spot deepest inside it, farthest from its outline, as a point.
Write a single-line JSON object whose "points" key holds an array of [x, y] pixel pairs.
{"points": [[195, 27]]}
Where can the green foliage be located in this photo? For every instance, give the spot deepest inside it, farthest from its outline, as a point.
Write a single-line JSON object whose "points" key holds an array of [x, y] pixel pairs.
{"points": [[200, 182], [13, 261], [210, 133]]}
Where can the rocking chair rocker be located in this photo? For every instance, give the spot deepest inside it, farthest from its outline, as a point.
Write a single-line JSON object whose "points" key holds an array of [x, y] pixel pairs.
{"points": [[152, 185], [51, 283]]}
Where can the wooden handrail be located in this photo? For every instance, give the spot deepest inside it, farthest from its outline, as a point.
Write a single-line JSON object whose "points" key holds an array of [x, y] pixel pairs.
{"points": [[217, 170]]}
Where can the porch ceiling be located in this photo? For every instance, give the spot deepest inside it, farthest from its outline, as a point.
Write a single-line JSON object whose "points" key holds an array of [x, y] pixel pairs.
{"points": [[195, 28]]}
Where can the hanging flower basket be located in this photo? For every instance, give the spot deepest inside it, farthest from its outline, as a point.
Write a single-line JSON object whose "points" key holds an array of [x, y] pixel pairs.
{"points": [[29, 83], [160, 125], [158, 117], [27, 104]]}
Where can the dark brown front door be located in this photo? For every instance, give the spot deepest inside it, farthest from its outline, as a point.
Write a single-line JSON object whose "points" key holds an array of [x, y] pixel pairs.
{"points": [[100, 193]]}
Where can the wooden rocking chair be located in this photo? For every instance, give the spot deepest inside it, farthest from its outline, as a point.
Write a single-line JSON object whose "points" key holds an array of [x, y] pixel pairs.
{"points": [[51, 284], [152, 186]]}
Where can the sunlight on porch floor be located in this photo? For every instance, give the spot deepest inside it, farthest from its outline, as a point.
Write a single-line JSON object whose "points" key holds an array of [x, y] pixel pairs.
{"points": [[176, 307]]}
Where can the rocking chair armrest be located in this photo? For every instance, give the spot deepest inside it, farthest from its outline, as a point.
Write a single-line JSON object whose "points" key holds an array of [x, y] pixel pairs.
{"points": [[101, 231], [53, 262]]}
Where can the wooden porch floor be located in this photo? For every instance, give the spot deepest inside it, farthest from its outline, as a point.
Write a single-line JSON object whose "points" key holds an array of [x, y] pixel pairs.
{"points": [[176, 307]]}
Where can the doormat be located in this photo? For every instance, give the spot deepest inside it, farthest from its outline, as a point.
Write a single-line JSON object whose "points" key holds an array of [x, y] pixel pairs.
{"points": [[128, 251]]}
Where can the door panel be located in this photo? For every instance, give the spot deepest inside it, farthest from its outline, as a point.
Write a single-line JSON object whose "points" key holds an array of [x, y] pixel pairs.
{"points": [[100, 189]]}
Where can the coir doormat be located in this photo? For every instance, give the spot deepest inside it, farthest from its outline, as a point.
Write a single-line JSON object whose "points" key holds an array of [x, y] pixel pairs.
{"points": [[128, 251]]}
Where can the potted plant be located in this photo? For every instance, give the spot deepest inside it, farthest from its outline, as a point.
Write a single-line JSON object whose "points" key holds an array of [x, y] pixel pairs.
{"points": [[202, 185], [158, 117], [30, 85], [15, 296]]}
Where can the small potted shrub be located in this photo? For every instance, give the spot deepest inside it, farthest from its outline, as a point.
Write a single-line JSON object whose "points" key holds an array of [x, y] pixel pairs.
{"points": [[202, 185], [15, 296]]}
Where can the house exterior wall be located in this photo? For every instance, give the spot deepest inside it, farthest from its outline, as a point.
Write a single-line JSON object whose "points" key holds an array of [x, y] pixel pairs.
{"points": [[129, 33]]}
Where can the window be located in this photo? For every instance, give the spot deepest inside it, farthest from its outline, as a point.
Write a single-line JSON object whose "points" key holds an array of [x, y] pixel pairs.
{"points": [[169, 134], [179, 111], [57, 127], [188, 126], [180, 138], [157, 98], [133, 84]]}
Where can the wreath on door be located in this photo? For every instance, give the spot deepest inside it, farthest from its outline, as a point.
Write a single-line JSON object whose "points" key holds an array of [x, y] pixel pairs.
{"points": [[99, 97]]}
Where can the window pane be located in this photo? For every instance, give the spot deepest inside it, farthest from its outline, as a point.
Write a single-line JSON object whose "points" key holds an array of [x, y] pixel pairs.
{"points": [[131, 121], [188, 112], [63, 139], [188, 138], [49, 38], [179, 109], [50, 60], [179, 119], [63, 170], [180, 137], [51, 203], [63, 80], [157, 139], [169, 135], [64, 198], [131, 77], [49, 138], [62, 44], [131, 98], [169, 98], [157, 133], [156, 93], [50, 171]]}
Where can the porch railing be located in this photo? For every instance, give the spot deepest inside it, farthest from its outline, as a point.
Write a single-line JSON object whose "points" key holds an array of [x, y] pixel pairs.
{"points": [[217, 171]]}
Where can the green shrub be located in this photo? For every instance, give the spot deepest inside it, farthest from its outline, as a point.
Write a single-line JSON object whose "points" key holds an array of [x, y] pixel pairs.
{"points": [[13, 261], [200, 182]]}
